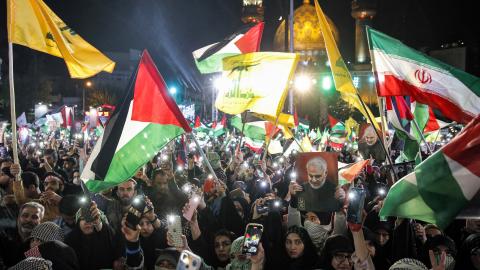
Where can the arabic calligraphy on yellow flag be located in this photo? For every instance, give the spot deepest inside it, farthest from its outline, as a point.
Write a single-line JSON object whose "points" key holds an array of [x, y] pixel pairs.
{"points": [[33, 24], [257, 82], [341, 75]]}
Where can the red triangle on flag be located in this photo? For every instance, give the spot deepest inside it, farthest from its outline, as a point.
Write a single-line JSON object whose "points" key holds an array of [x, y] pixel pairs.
{"points": [[270, 129], [250, 42], [224, 121], [432, 124], [197, 122], [214, 124], [333, 121], [151, 101]]}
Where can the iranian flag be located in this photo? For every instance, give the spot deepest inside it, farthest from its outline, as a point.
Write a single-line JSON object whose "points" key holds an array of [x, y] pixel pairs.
{"points": [[145, 122], [254, 145], [403, 71], [442, 185], [209, 59]]}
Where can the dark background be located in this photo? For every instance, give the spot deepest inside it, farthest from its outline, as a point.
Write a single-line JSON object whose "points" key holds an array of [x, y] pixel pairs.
{"points": [[172, 29]]}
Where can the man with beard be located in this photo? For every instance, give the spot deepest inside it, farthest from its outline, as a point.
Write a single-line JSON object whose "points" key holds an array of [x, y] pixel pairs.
{"points": [[49, 198], [49, 164], [115, 209], [13, 241], [370, 146], [318, 195], [165, 194], [6, 178]]}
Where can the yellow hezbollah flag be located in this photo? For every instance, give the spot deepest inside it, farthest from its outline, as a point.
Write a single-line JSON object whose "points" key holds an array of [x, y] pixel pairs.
{"points": [[285, 122], [341, 75], [257, 82], [284, 119], [306, 144], [33, 24]]}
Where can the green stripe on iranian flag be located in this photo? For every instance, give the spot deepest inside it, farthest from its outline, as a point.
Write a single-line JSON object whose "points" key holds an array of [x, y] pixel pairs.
{"points": [[443, 83], [403, 71]]}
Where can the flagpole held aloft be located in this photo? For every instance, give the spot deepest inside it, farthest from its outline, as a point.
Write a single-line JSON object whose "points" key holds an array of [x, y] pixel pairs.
{"points": [[205, 159], [389, 159], [12, 103]]}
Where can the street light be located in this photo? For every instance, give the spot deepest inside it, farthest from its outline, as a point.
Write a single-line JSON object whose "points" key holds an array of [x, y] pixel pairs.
{"points": [[89, 85], [303, 83], [172, 90]]}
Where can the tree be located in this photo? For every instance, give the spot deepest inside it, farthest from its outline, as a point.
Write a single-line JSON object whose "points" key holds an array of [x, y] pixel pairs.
{"points": [[100, 96]]}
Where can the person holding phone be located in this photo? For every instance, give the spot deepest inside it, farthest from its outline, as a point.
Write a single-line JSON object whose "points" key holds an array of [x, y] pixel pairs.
{"points": [[89, 239]]}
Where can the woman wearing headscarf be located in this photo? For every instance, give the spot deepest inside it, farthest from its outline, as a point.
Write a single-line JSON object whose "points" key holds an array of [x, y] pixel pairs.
{"points": [[300, 253], [93, 240], [469, 253]]}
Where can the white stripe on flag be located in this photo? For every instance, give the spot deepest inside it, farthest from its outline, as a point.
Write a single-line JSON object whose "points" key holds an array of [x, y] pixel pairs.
{"points": [[443, 83], [130, 129], [468, 182]]}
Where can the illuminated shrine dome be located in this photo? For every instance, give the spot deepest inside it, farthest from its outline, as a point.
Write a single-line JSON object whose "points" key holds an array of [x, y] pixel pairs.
{"points": [[306, 31]]}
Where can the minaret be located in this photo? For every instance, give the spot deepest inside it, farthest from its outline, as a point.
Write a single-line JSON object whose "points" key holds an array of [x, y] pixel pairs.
{"points": [[252, 11], [363, 12]]}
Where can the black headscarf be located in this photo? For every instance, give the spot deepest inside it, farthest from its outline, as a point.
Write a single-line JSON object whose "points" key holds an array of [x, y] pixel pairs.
{"points": [[309, 256]]}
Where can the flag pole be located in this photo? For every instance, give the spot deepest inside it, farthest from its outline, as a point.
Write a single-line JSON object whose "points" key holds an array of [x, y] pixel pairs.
{"points": [[421, 136], [241, 133], [381, 110], [205, 158], [389, 159], [12, 103]]}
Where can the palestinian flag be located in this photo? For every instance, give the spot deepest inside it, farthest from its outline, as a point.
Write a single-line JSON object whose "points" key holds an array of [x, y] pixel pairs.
{"points": [[209, 59], [253, 130], [400, 116], [145, 122], [442, 185], [433, 123], [349, 171], [403, 71]]}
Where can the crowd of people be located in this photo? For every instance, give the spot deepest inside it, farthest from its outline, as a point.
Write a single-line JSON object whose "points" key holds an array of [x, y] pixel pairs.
{"points": [[48, 221]]}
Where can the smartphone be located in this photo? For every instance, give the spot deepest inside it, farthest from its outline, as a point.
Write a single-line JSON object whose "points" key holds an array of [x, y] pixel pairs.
{"points": [[174, 228], [85, 203], [136, 211], [192, 203], [356, 200], [189, 261], [260, 173], [253, 234]]}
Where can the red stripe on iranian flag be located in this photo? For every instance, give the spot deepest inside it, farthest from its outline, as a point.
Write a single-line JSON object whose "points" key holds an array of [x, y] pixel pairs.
{"points": [[390, 85]]}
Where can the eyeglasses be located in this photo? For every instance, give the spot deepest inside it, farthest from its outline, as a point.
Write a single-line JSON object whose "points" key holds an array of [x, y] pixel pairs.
{"points": [[317, 176], [341, 257]]}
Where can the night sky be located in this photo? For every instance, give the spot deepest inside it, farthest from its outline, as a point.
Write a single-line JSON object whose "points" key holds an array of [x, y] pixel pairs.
{"points": [[172, 29]]}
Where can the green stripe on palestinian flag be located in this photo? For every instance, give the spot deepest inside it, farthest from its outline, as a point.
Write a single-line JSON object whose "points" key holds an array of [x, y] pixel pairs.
{"points": [[253, 130], [209, 59], [403, 71], [146, 121], [442, 185]]}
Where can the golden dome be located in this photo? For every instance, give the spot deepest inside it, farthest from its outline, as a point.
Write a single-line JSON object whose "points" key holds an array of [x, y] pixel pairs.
{"points": [[306, 30]]}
